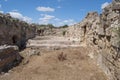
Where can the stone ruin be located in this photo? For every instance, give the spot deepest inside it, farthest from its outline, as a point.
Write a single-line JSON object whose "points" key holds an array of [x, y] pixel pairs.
{"points": [[116, 0], [13, 36], [100, 33], [14, 31], [97, 32]]}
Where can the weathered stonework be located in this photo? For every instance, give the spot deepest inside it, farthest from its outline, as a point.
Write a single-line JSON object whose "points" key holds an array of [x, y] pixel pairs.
{"points": [[13, 36], [9, 56], [85, 28], [100, 34], [46, 31], [14, 31]]}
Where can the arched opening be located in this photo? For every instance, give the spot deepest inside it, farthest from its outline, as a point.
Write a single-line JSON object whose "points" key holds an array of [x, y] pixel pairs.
{"points": [[85, 29], [14, 39], [40, 32]]}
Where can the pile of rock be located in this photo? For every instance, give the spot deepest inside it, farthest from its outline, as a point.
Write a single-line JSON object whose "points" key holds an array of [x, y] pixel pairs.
{"points": [[9, 57]]}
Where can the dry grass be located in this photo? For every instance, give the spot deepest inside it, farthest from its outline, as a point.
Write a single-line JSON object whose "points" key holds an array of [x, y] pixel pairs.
{"points": [[64, 64]]}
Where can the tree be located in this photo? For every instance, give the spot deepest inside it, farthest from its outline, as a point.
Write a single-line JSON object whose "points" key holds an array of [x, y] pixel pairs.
{"points": [[50, 25], [64, 26]]}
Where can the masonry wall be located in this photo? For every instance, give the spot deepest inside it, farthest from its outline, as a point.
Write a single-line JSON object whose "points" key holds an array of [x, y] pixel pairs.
{"points": [[14, 31], [13, 36], [100, 34]]}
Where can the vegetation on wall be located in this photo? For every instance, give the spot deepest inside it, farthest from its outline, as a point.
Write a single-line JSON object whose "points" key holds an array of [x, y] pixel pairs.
{"points": [[64, 32], [43, 26], [117, 31], [118, 36]]}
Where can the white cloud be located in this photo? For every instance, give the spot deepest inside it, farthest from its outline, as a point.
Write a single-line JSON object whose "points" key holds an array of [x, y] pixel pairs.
{"points": [[45, 9], [1, 11], [20, 16], [57, 19], [67, 21], [104, 5], [45, 19]]}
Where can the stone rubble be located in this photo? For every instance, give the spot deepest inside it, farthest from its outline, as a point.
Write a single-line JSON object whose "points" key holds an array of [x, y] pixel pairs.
{"points": [[9, 57]]}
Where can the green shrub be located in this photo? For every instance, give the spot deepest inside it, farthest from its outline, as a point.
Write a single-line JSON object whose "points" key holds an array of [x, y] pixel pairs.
{"points": [[117, 31], [118, 36], [64, 32], [64, 26]]}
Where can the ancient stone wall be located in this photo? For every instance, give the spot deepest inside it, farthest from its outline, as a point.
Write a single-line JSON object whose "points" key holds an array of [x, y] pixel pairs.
{"points": [[46, 31], [101, 34], [14, 31], [13, 36], [85, 28], [108, 43]]}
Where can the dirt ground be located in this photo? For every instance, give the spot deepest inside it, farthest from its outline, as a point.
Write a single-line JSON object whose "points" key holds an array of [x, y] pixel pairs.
{"points": [[71, 63]]}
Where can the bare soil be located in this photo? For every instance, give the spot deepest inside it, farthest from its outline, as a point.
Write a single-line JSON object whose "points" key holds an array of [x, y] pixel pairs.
{"points": [[71, 63]]}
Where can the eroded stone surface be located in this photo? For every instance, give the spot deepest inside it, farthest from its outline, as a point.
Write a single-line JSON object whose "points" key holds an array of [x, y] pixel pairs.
{"points": [[13, 36], [9, 57], [101, 34], [14, 31]]}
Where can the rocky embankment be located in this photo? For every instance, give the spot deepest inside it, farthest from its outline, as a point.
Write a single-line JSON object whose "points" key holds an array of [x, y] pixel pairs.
{"points": [[101, 34], [13, 36], [9, 57]]}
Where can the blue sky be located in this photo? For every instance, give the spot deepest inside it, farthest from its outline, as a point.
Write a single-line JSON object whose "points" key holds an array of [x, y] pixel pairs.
{"points": [[57, 12]]}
